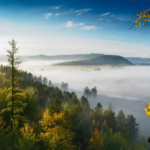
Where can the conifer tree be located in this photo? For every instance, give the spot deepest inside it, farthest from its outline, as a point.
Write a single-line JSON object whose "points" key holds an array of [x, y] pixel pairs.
{"points": [[87, 91], [15, 95], [132, 126], [94, 91], [56, 107]]}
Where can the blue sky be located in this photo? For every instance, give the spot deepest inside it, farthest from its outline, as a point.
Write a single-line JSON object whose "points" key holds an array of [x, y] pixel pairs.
{"points": [[73, 26]]}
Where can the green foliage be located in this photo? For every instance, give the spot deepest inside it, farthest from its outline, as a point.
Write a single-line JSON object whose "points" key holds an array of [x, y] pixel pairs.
{"points": [[56, 107], [114, 141], [132, 127], [121, 121], [99, 105], [28, 138], [87, 91], [110, 118], [32, 111], [94, 91], [15, 95]]}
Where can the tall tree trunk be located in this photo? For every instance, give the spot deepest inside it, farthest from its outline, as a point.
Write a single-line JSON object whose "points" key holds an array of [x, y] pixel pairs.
{"points": [[12, 83]]}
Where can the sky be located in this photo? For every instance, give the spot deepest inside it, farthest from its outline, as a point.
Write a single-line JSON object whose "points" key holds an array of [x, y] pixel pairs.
{"points": [[74, 27]]}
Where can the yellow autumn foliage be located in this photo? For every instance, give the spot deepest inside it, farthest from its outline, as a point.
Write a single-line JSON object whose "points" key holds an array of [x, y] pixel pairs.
{"points": [[147, 109], [143, 16], [57, 131], [27, 139]]}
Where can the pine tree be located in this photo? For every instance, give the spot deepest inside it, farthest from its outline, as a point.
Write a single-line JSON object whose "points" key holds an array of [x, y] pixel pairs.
{"points": [[87, 91], [99, 105], [49, 83], [121, 120], [15, 95], [94, 91], [132, 126], [56, 107]]}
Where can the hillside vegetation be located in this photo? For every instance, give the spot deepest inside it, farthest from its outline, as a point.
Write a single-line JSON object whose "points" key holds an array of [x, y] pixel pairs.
{"points": [[99, 60]]}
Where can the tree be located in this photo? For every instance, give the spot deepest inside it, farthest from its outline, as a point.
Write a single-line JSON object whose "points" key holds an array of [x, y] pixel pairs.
{"points": [[114, 141], [109, 115], [49, 83], [87, 91], [147, 109], [132, 126], [15, 95], [2, 78], [56, 107], [40, 79], [8, 140], [27, 140], [94, 91], [75, 99], [95, 143], [121, 120], [64, 86], [84, 100], [57, 132], [45, 81], [99, 105], [143, 17]]}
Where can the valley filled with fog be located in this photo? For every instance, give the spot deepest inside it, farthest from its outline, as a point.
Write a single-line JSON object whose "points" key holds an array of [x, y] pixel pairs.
{"points": [[125, 87]]}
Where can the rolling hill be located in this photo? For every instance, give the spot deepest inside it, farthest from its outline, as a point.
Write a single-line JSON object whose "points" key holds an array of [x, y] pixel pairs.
{"points": [[62, 57], [139, 60], [99, 60]]}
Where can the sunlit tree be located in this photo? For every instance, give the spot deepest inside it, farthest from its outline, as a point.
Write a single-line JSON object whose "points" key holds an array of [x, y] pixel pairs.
{"points": [[56, 131], [27, 140], [95, 143], [143, 18], [15, 95]]}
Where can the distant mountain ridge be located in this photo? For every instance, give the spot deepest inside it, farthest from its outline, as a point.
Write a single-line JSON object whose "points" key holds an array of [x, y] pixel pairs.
{"points": [[139, 60], [62, 57], [99, 60]]}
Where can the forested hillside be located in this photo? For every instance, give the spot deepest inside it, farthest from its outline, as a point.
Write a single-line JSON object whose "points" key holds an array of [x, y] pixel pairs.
{"points": [[53, 119], [98, 60]]}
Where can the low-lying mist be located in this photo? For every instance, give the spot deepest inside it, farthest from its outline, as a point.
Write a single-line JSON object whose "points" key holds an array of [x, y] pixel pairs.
{"points": [[132, 82]]}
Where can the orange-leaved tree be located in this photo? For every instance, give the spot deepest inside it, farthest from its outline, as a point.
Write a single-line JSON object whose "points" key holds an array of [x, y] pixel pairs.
{"points": [[95, 143]]}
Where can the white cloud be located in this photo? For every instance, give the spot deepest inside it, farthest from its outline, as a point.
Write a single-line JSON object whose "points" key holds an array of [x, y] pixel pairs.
{"points": [[101, 19], [56, 7], [104, 14], [120, 18], [70, 24], [81, 24], [57, 14], [47, 15], [88, 28], [83, 10], [78, 12], [112, 15], [108, 20]]}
